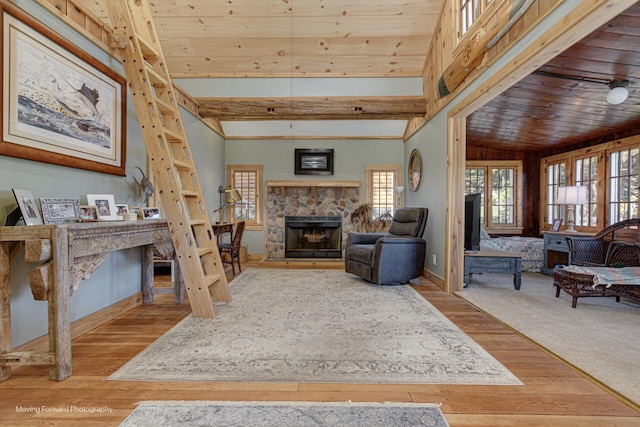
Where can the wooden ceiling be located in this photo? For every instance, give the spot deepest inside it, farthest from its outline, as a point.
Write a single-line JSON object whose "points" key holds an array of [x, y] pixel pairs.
{"points": [[388, 38], [281, 38], [542, 112]]}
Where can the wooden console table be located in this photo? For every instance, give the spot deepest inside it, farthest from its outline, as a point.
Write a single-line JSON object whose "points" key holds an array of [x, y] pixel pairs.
{"points": [[67, 254]]}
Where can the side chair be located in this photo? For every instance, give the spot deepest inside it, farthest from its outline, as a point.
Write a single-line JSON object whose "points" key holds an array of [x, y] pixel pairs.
{"points": [[233, 248]]}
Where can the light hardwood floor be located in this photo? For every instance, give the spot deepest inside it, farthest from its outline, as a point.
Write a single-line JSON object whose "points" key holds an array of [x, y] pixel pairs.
{"points": [[553, 393]]}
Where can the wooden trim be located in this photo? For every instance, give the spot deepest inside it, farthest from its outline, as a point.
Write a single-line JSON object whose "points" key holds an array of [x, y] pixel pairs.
{"points": [[454, 225], [314, 108], [87, 323], [434, 278], [325, 183], [312, 137]]}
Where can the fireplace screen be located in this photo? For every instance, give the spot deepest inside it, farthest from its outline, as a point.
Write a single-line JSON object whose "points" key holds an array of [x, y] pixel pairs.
{"points": [[313, 237]]}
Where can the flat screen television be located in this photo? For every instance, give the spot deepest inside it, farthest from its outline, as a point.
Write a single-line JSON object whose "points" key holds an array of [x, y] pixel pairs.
{"points": [[472, 222]]}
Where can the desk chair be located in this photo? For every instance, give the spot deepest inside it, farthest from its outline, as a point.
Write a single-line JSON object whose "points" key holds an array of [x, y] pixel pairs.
{"points": [[233, 248]]}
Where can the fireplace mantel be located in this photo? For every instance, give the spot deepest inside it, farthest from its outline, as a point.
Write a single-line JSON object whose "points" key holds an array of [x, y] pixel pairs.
{"points": [[320, 183]]}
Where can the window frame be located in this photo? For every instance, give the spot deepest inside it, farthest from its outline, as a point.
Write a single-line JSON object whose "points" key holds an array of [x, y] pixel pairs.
{"points": [[254, 224], [396, 169], [465, 28], [516, 226], [603, 153]]}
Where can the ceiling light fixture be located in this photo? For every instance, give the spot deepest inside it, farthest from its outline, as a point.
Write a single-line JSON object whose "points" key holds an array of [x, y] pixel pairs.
{"points": [[617, 95]]}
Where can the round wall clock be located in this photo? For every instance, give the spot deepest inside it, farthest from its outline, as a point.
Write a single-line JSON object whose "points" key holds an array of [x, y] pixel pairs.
{"points": [[415, 169]]}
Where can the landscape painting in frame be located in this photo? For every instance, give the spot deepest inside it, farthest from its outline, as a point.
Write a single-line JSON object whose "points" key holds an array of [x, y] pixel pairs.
{"points": [[60, 105]]}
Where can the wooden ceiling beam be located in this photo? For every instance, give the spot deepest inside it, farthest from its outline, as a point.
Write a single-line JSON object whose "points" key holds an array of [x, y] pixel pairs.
{"points": [[313, 108]]}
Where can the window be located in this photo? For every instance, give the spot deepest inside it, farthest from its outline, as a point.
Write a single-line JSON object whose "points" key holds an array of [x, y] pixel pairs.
{"points": [[556, 177], [470, 10], [500, 183], [615, 163], [248, 180], [586, 175], [623, 185], [381, 181]]}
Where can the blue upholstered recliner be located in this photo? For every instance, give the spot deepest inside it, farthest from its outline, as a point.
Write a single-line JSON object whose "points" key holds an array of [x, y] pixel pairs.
{"points": [[392, 258]]}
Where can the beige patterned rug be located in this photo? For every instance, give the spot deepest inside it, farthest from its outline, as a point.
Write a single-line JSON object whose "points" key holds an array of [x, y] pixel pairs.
{"points": [[284, 414], [317, 326]]}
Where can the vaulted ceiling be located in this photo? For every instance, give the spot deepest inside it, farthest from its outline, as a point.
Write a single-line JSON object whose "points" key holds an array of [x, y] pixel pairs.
{"points": [[385, 39]]}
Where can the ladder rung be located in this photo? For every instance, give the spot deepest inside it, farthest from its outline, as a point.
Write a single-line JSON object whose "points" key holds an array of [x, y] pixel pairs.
{"points": [[156, 79], [197, 222], [182, 165], [211, 279], [204, 250], [190, 193], [164, 107], [148, 51], [173, 136]]}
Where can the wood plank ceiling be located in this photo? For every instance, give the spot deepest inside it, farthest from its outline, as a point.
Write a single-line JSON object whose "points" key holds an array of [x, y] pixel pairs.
{"points": [[542, 112], [388, 38]]}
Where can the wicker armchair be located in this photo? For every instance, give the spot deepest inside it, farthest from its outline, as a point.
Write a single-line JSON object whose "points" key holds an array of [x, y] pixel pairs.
{"points": [[616, 245]]}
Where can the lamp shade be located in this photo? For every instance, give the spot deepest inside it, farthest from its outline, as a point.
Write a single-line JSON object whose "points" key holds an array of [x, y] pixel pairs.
{"points": [[572, 195], [232, 195], [399, 189]]}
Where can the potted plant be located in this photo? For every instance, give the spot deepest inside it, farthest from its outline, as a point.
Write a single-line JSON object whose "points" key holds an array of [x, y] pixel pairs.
{"points": [[362, 217]]}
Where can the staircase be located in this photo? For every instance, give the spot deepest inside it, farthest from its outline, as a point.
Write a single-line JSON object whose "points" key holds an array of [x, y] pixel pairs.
{"points": [[135, 37]]}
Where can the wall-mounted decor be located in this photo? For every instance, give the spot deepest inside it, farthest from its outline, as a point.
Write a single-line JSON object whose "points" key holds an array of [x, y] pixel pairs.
{"points": [[415, 169], [106, 206], [28, 207], [60, 211], [60, 105], [314, 161]]}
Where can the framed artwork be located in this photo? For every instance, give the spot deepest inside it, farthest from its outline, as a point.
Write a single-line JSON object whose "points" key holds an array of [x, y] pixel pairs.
{"points": [[60, 105], [60, 211], [88, 213], [556, 224], [122, 210], [313, 161], [151, 213], [28, 207], [105, 204]]}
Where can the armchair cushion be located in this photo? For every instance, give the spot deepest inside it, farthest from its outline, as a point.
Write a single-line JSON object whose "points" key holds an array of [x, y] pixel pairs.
{"points": [[392, 258]]}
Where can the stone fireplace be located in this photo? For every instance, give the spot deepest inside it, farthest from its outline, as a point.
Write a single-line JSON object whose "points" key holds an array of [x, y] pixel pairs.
{"points": [[324, 202]]}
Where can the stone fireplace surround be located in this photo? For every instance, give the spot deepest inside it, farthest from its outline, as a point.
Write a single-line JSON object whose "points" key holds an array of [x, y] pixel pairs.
{"points": [[285, 198]]}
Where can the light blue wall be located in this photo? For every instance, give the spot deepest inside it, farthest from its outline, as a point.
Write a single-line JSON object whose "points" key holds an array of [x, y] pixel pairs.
{"points": [[277, 158], [119, 275]]}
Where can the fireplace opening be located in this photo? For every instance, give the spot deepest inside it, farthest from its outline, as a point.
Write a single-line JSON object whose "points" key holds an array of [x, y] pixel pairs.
{"points": [[313, 236]]}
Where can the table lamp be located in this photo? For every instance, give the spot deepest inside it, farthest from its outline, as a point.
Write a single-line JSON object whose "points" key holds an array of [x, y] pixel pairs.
{"points": [[571, 196]]}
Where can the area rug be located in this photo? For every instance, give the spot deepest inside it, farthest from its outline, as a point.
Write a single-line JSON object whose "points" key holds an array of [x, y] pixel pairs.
{"points": [[317, 326], [284, 414], [599, 336]]}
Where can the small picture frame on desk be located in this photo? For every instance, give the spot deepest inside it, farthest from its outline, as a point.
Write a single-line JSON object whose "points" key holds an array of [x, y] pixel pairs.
{"points": [[106, 206], [60, 211], [556, 224], [151, 213], [88, 213], [28, 207]]}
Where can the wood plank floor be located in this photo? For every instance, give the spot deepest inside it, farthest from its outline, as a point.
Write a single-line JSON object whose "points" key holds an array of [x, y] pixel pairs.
{"points": [[553, 393]]}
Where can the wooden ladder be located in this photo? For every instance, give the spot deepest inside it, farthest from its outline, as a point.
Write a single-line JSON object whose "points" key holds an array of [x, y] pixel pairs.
{"points": [[135, 36]]}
